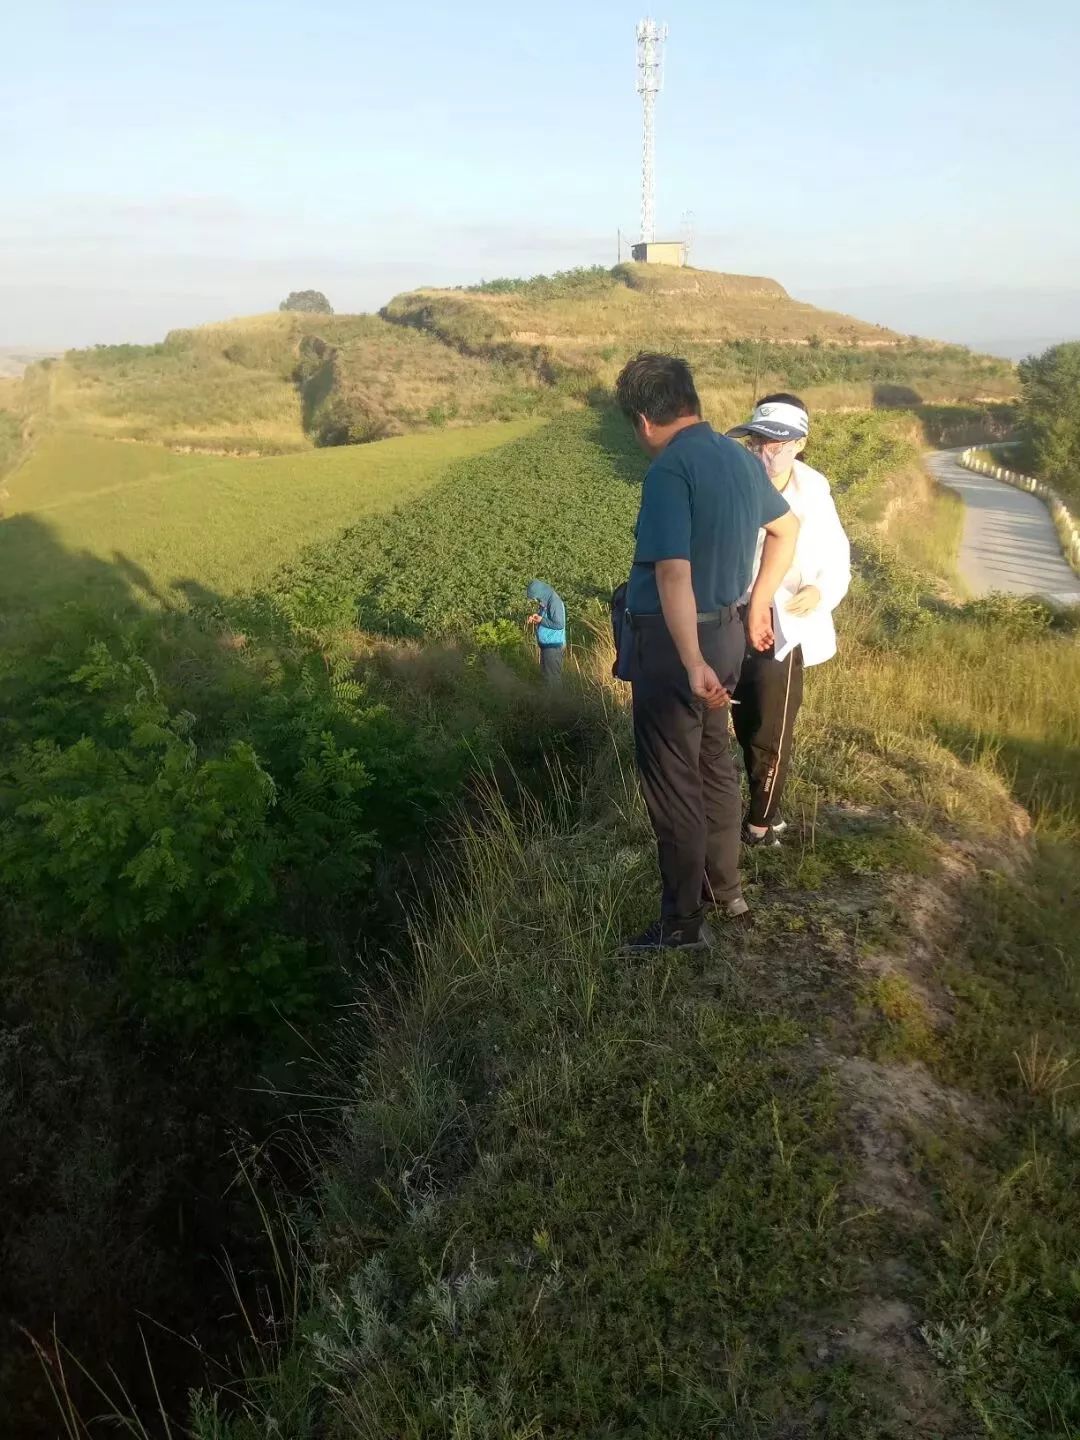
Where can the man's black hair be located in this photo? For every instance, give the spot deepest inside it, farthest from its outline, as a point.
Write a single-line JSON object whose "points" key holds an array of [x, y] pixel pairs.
{"points": [[783, 398], [660, 387]]}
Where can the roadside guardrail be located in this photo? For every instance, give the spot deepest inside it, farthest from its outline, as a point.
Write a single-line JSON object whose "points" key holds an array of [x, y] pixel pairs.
{"points": [[1064, 521]]}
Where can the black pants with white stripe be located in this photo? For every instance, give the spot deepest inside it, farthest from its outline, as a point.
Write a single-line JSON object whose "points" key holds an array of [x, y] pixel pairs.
{"points": [[769, 693]]}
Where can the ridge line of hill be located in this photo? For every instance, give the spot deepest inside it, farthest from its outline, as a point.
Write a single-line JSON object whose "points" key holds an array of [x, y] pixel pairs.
{"points": [[435, 359]]}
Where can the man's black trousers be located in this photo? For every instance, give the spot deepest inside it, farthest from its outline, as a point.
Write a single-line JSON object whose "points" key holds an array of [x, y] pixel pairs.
{"points": [[686, 767], [770, 692]]}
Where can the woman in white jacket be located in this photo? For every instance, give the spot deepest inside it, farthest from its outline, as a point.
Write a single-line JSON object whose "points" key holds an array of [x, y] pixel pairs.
{"points": [[770, 687]]}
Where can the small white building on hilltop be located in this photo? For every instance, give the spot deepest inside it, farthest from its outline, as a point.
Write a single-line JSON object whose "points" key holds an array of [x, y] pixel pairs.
{"points": [[660, 252]]}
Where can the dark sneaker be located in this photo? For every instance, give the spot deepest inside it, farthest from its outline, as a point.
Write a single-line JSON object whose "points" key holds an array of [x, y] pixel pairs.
{"points": [[770, 840], [779, 825], [664, 935]]}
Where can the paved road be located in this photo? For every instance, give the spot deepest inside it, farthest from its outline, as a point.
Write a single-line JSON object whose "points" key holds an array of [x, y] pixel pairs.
{"points": [[1009, 541]]}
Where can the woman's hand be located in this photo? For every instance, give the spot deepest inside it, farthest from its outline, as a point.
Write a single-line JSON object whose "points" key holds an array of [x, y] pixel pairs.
{"points": [[804, 601], [759, 626]]}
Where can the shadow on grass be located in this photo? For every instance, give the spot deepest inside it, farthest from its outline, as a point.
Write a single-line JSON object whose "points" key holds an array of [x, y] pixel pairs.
{"points": [[613, 435], [1042, 775], [888, 396], [37, 571]]}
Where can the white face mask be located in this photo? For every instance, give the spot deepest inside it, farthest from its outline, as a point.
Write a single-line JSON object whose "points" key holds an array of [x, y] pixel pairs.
{"points": [[778, 457]]}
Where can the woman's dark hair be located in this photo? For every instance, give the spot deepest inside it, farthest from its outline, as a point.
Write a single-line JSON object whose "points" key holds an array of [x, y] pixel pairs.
{"points": [[783, 398], [659, 387]]}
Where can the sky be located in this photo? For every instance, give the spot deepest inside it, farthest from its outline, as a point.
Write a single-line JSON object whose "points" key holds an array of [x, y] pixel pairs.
{"points": [[168, 163]]}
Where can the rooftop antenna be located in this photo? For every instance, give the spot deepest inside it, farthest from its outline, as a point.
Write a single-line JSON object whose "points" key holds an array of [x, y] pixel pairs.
{"points": [[687, 235], [650, 59]]}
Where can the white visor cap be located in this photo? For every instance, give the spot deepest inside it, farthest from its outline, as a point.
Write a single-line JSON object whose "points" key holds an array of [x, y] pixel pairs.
{"points": [[776, 421]]}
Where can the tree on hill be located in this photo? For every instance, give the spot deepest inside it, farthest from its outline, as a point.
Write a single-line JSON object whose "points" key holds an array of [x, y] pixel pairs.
{"points": [[1050, 386], [311, 302]]}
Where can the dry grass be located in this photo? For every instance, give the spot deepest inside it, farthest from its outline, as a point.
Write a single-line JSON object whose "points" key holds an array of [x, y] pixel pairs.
{"points": [[740, 332], [642, 305], [232, 387], [222, 387], [382, 380]]}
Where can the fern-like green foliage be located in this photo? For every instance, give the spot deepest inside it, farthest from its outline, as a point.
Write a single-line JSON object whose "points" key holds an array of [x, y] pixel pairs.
{"points": [[205, 859]]}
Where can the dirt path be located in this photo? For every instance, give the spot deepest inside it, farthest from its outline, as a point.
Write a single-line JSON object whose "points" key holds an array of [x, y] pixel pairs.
{"points": [[1009, 541]]}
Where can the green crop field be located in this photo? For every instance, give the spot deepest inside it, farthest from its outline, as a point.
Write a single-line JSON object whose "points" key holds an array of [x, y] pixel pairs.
{"points": [[91, 519], [559, 505]]}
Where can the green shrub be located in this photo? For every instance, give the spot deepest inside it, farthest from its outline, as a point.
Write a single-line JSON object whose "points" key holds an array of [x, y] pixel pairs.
{"points": [[583, 278], [307, 302], [210, 859], [1051, 406], [504, 639], [1019, 616], [10, 442], [945, 425]]}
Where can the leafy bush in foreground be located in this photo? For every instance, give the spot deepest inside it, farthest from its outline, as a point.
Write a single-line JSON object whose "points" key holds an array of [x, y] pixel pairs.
{"points": [[201, 840], [1018, 616], [209, 861]]}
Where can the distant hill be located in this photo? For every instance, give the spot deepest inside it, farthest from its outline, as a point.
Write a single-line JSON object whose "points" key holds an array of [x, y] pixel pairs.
{"points": [[277, 383], [15, 358], [741, 333], [585, 312], [507, 349]]}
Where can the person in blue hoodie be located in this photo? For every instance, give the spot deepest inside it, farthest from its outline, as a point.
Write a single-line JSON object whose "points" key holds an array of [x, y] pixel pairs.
{"points": [[550, 623]]}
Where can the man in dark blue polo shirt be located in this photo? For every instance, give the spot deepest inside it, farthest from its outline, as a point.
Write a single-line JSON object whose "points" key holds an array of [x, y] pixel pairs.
{"points": [[703, 502]]}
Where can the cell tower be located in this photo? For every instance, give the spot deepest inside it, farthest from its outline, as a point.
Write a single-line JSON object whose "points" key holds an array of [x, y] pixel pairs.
{"points": [[650, 59]]}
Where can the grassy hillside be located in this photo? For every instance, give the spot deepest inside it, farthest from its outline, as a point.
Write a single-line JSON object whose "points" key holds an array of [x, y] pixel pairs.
{"points": [[823, 1182], [89, 518], [742, 334], [364, 380], [283, 382], [10, 442], [227, 386], [580, 312], [272, 384]]}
